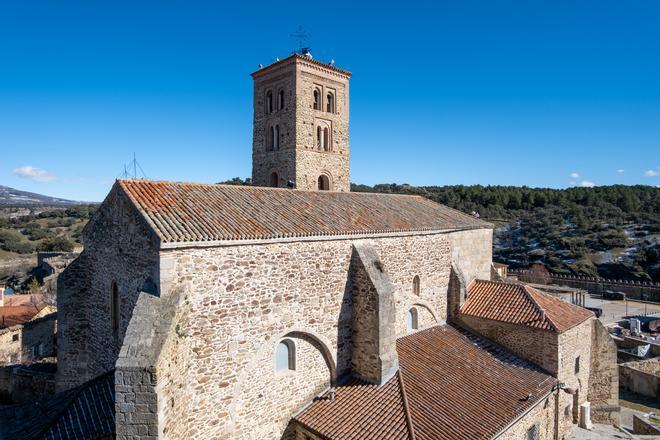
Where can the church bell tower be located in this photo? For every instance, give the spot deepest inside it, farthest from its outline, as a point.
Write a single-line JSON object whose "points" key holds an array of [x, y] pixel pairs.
{"points": [[300, 136]]}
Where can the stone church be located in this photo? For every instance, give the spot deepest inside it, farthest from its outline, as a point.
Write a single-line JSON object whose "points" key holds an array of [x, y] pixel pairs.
{"points": [[295, 308]]}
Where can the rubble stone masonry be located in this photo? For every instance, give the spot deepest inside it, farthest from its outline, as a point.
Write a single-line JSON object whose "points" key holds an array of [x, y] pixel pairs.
{"points": [[120, 248], [218, 365], [298, 156]]}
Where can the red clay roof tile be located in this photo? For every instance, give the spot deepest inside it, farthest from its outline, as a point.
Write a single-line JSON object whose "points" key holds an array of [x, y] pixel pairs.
{"points": [[520, 304], [189, 212], [457, 386]]}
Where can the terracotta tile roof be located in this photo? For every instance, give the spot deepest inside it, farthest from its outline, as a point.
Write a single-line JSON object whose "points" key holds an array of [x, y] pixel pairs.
{"points": [[189, 212], [520, 304], [25, 300], [15, 315], [457, 385], [359, 411]]}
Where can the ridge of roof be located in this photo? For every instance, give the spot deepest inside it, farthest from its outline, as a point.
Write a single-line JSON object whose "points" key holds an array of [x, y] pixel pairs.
{"points": [[530, 294], [406, 408], [453, 383]]}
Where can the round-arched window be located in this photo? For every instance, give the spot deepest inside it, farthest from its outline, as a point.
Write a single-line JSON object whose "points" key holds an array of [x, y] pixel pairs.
{"points": [[411, 319], [324, 183], [285, 355], [274, 180]]}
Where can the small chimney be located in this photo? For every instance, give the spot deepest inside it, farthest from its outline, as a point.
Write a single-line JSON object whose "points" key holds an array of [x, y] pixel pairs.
{"points": [[331, 394]]}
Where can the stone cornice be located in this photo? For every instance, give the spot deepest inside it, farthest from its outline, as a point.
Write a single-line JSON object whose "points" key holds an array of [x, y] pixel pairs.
{"points": [[356, 236], [308, 62]]}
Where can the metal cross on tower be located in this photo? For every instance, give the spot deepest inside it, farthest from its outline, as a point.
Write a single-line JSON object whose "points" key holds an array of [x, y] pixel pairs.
{"points": [[301, 36]]}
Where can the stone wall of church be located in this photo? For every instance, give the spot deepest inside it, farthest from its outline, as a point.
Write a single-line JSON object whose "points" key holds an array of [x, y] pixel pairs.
{"points": [[119, 248], [538, 346], [556, 353], [574, 343], [472, 251], [241, 301], [541, 418]]}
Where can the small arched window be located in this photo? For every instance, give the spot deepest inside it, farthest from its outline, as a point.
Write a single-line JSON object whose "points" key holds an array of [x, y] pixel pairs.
{"points": [[330, 103], [324, 183], [326, 139], [114, 309], [285, 356], [273, 180], [317, 99], [276, 138], [319, 137], [269, 102], [411, 319], [415, 288], [270, 139], [280, 100]]}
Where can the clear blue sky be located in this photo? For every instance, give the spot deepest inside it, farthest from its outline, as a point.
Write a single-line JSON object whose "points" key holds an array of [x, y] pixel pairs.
{"points": [[491, 92]]}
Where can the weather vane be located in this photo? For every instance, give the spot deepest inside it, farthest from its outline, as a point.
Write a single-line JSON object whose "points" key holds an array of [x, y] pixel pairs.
{"points": [[301, 36]]}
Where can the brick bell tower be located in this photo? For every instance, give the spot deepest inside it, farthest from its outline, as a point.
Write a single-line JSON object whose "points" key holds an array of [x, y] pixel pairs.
{"points": [[300, 136]]}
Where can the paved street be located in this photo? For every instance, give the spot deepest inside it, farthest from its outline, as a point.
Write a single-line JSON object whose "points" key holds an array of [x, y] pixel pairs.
{"points": [[615, 310]]}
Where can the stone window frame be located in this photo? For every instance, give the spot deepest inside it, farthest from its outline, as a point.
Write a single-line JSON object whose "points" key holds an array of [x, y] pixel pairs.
{"points": [[331, 101], [323, 182], [324, 136], [273, 137], [412, 319], [280, 99], [273, 179], [317, 97], [533, 432], [14, 337], [416, 285], [576, 367], [268, 102], [290, 345]]}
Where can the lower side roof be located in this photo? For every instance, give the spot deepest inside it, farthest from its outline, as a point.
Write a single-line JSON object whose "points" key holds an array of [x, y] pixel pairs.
{"points": [[452, 384]]}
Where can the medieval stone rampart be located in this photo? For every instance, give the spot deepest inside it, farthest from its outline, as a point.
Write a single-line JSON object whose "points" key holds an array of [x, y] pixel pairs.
{"points": [[646, 291]]}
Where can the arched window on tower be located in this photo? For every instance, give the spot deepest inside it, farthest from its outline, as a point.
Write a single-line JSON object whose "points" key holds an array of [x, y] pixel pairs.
{"points": [[319, 137], [416, 285], [285, 356], [276, 138], [269, 102], [326, 139], [411, 319], [324, 183], [280, 100], [273, 180], [114, 310], [317, 99], [269, 138], [330, 103]]}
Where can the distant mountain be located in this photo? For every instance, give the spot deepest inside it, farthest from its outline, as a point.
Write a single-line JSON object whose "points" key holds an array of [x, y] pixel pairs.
{"points": [[14, 197]]}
